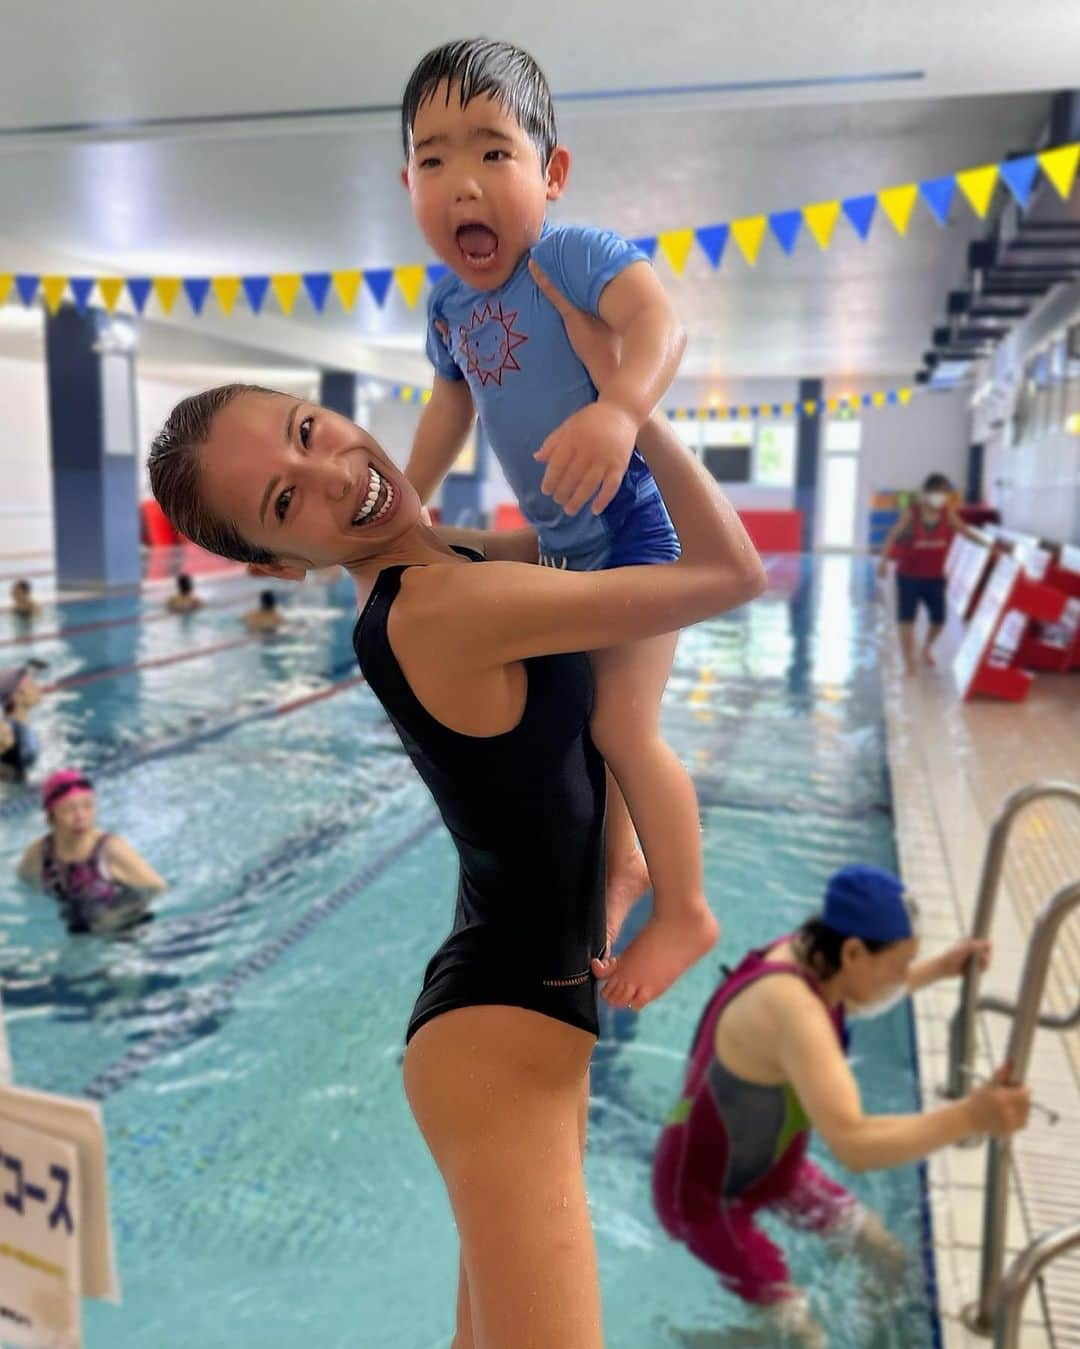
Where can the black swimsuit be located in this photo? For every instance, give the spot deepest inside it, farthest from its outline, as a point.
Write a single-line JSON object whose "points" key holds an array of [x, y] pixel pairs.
{"points": [[526, 812]]}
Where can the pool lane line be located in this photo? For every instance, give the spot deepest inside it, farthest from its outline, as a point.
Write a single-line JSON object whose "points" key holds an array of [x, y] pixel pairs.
{"points": [[180, 744], [177, 658], [26, 575], [218, 997], [155, 616], [145, 588]]}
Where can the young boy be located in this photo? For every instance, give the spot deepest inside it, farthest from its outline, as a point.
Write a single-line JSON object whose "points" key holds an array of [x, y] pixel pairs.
{"points": [[482, 162]]}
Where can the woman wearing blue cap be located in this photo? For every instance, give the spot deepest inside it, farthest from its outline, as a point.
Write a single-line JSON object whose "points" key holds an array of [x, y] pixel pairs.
{"points": [[768, 1063]]}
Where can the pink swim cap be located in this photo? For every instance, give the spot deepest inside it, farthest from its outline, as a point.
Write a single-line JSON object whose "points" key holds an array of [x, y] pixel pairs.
{"points": [[64, 782]]}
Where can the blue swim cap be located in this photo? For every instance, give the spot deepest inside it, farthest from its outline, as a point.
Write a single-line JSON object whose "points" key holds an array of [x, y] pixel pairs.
{"points": [[864, 901]]}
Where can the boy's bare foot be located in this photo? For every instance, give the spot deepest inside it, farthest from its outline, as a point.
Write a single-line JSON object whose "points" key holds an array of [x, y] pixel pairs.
{"points": [[928, 657], [664, 949], [626, 883]]}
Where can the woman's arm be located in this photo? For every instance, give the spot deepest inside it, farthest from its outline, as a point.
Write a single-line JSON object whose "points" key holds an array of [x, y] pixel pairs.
{"points": [[814, 1063], [949, 964], [127, 867], [29, 869]]}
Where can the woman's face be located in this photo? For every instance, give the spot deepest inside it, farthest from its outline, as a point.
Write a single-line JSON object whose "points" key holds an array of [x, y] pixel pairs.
{"points": [[872, 981], [304, 483], [75, 813], [26, 696]]}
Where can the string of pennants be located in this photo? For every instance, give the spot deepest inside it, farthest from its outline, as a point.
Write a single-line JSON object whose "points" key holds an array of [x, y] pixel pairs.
{"points": [[897, 204], [807, 407]]}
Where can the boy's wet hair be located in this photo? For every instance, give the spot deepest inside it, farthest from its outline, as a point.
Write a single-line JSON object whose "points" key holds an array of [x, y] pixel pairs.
{"points": [[481, 66], [936, 482]]}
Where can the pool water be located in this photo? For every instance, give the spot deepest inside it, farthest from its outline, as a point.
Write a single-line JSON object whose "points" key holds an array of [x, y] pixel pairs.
{"points": [[268, 1185]]}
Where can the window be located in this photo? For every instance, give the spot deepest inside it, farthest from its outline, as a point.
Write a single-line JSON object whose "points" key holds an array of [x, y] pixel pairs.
{"points": [[774, 463], [728, 463]]}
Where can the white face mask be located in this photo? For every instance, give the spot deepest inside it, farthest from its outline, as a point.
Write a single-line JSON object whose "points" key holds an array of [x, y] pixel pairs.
{"points": [[935, 500], [880, 1005]]}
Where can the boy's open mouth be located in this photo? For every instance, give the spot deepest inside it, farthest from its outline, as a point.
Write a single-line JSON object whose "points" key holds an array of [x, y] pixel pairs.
{"points": [[479, 245]]}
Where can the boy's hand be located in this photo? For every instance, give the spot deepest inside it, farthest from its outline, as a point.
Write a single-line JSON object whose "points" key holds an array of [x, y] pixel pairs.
{"points": [[587, 457]]}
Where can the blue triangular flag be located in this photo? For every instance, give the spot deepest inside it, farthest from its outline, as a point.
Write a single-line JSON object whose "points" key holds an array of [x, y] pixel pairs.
{"points": [[891, 397], [776, 410], [27, 288], [712, 414], [255, 288], [753, 409], [860, 212], [938, 194], [713, 239], [436, 271], [81, 286], [317, 285], [647, 243], [786, 225], [196, 288], [139, 288], [867, 400], [1019, 175], [379, 280]]}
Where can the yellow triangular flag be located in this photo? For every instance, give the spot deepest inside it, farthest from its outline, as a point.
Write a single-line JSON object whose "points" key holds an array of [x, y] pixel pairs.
{"points": [[722, 410], [286, 287], [810, 406], [787, 409], [346, 286], [878, 400], [226, 289], [744, 414], [680, 414], [7, 280], [703, 414], [748, 234], [411, 281], [407, 393], [53, 287], [1060, 167], [898, 203], [675, 246], [110, 288], [904, 396], [832, 404], [978, 186], [425, 397], [821, 218], [166, 288]]}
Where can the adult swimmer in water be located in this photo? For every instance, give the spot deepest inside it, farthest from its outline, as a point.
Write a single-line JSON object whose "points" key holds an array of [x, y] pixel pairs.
{"points": [[99, 881], [478, 664], [768, 1064]]}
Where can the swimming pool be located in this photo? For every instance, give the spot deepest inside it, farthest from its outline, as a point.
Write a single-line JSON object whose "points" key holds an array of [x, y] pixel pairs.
{"points": [[268, 1185]]}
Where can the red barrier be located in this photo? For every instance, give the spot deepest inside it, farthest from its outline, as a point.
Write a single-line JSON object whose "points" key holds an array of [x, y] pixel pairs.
{"points": [[156, 530], [771, 531]]}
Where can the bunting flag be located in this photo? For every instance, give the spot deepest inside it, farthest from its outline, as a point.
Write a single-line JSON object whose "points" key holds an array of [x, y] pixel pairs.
{"points": [[1059, 166], [978, 186], [675, 246], [821, 220], [808, 407], [748, 234]]}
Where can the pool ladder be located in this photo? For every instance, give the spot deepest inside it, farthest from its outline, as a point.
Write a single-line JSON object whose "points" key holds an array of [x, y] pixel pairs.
{"points": [[997, 1308]]}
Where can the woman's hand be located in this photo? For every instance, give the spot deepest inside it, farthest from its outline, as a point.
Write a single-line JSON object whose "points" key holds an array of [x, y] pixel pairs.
{"points": [[597, 345], [953, 962], [998, 1108]]}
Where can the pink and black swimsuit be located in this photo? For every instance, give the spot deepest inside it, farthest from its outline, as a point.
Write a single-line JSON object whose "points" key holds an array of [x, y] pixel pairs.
{"points": [[732, 1147], [84, 890]]}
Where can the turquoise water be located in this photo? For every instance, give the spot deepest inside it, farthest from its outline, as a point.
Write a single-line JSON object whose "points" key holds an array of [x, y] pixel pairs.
{"points": [[268, 1184]]}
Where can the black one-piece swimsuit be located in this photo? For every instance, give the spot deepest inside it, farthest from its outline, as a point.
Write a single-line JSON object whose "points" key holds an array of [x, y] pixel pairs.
{"points": [[526, 812]]}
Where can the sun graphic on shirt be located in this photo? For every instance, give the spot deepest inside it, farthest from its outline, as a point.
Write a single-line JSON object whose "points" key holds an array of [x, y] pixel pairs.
{"points": [[489, 342]]}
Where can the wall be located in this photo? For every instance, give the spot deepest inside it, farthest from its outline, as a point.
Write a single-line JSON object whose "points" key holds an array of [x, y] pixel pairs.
{"points": [[26, 495], [1036, 485]]}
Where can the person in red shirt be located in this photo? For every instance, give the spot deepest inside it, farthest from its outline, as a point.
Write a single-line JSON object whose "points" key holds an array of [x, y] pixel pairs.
{"points": [[919, 543]]}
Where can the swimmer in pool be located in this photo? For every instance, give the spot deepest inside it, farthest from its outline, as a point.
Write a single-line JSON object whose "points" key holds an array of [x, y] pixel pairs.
{"points": [[19, 744], [185, 601], [23, 604], [475, 652], [267, 617], [99, 881], [768, 1064]]}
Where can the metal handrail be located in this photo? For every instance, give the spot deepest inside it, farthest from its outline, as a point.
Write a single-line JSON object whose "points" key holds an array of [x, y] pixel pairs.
{"points": [[1023, 1271], [962, 1029], [980, 1315]]}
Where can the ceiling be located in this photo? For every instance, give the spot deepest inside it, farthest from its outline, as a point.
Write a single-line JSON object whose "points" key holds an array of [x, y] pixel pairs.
{"points": [[302, 173]]}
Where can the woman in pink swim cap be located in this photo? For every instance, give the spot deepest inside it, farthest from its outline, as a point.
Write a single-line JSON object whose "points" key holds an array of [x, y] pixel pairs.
{"points": [[100, 882]]}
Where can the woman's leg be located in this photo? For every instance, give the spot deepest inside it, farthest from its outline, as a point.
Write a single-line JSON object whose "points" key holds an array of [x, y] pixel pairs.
{"points": [[498, 1095], [463, 1335], [630, 682]]}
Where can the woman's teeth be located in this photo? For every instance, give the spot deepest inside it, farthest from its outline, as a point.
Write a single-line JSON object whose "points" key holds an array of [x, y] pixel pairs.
{"points": [[367, 512]]}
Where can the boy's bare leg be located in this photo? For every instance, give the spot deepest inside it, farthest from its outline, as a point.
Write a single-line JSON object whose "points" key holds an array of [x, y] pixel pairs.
{"points": [[630, 681], [627, 870], [907, 647], [935, 632]]}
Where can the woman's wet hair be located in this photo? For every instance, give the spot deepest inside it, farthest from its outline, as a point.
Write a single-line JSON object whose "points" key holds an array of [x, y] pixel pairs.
{"points": [[175, 471], [936, 482], [267, 599], [184, 584]]}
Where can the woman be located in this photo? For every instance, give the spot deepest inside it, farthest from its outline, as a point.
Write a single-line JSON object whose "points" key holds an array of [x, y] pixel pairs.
{"points": [[266, 616], [919, 542], [99, 881], [478, 665], [19, 745], [768, 1064]]}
